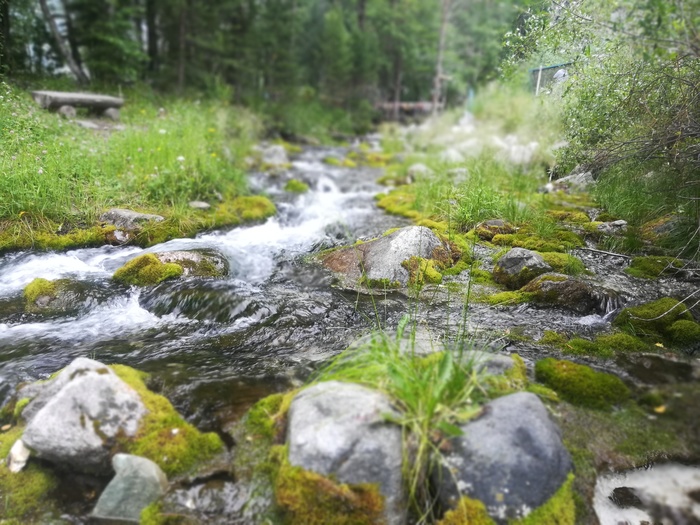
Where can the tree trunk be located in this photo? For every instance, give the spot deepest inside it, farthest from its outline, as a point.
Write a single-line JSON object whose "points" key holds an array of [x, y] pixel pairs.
{"points": [[70, 35], [398, 77], [5, 56], [152, 35], [182, 48], [361, 14], [77, 71], [437, 81]]}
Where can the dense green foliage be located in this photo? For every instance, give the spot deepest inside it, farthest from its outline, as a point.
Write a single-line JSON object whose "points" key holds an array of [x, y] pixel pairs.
{"points": [[631, 111]]}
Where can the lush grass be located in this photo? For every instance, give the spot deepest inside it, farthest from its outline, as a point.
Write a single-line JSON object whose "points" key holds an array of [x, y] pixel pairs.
{"points": [[56, 177]]}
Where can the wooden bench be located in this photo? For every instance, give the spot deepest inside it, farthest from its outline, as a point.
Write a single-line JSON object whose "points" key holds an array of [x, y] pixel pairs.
{"points": [[65, 102]]}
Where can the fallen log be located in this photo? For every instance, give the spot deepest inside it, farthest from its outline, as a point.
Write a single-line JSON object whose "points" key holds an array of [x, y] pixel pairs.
{"points": [[52, 100]]}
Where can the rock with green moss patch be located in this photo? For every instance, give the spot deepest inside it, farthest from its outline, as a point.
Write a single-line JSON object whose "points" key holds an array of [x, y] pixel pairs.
{"points": [[511, 458], [147, 270], [341, 430], [567, 292], [518, 267], [296, 186], [197, 263], [61, 296], [652, 267], [421, 271], [74, 419], [685, 334], [653, 320], [580, 384], [128, 219], [487, 230]]}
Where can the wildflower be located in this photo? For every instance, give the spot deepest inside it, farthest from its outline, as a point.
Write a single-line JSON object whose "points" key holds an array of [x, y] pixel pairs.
{"points": [[41, 170], [213, 154], [162, 131], [212, 130]]}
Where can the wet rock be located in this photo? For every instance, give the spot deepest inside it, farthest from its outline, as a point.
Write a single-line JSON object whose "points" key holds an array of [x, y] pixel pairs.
{"points": [[61, 296], [518, 267], [567, 292], [18, 456], [128, 219], [73, 419], [138, 483], [67, 112], [199, 205], [511, 458], [625, 497], [613, 228], [197, 263], [378, 262], [487, 230], [274, 156], [340, 430], [111, 114]]}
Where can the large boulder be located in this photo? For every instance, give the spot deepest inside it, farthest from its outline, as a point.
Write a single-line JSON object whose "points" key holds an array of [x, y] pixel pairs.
{"points": [[128, 219], [152, 268], [62, 296], [340, 430], [138, 483], [511, 458], [570, 293], [75, 418], [380, 260], [274, 156], [518, 267], [197, 263]]}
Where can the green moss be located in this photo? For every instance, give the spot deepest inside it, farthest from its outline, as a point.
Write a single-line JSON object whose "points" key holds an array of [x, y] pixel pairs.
{"points": [[296, 186], [560, 241], [25, 494], [467, 512], [379, 284], [653, 320], [652, 267], [569, 216], [552, 338], [621, 342], [264, 419], [421, 271], [243, 209], [564, 263], [163, 436], [39, 288], [439, 227], [580, 384], [560, 509], [518, 374], [153, 515], [652, 399], [479, 276], [19, 407], [685, 333], [507, 298], [308, 498], [544, 392], [399, 202], [579, 346], [146, 270]]}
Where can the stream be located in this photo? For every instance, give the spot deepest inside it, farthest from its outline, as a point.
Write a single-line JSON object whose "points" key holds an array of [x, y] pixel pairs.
{"points": [[214, 347]]}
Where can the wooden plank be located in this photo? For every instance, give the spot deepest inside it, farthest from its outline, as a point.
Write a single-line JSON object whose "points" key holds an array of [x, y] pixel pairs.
{"points": [[55, 99]]}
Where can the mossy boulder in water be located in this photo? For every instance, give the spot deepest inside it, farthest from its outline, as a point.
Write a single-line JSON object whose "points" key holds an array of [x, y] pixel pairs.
{"points": [[61, 296], [580, 384], [653, 319], [152, 268], [511, 458], [339, 430], [518, 267]]}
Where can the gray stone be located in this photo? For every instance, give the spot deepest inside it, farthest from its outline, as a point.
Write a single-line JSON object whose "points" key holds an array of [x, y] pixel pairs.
{"points": [[67, 112], [274, 156], [199, 205], [138, 483], [511, 458], [380, 259], [614, 227], [451, 156], [418, 170], [18, 456], [578, 180], [197, 263], [518, 267], [111, 114], [340, 430], [73, 419], [128, 219]]}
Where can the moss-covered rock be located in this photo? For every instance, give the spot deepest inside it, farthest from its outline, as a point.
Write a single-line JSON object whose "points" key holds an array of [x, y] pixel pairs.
{"points": [[422, 271], [39, 293], [248, 208], [653, 320], [564, 263], [569, 216], [468, 511], [147, 270], [308, 498], [685, 333], [163, 436], [622, 342], [652, 267], [507, 298], [296, 186], [580, 384]]}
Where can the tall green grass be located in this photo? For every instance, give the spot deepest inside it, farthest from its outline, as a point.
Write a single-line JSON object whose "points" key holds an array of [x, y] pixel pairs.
{"points": [[52, 169]]}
